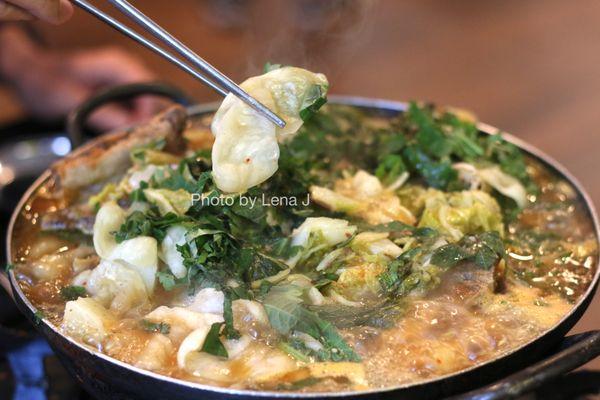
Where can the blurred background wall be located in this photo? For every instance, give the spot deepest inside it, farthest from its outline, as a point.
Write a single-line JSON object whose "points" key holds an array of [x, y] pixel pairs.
{"points": [[528, 67]]}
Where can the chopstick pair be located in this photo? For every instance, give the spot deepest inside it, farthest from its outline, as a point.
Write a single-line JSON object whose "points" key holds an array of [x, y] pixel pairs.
{"points": [[217, 81]]}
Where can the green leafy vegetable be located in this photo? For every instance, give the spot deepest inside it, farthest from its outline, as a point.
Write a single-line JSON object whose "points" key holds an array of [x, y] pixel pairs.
{"points": [[485, 250], [286, 313], [38, 317], [72, 292], [258, 265], [315, 98], [397, 270], [437, 174], [212, 344], [158, 327], [147, 224], [167, 280], [268, 67], [382, 314], [390, 168], [229, 331]]}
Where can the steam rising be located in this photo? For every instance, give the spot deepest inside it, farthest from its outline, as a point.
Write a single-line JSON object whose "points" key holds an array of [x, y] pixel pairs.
{"points": [[314, 34]]}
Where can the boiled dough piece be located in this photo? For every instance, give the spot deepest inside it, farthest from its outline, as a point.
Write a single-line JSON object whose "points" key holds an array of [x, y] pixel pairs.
{"points": [[155, 355], [140, 253], [168, 250], [246, 150], [182, 321], [85, 319], [117, 286], [208, 300]]}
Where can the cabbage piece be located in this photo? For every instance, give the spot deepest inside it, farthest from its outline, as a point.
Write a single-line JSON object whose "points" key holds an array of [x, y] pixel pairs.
{"points": [[117, 286], [360, 282], [317, 235], [375, 243], [507, 185], [335, 201], [140, 253], [333, 230], [504, 183], [363, 196], [85, 319], [148, 156], [169, 201], [359, 278], [138, 176], [246, 151], [110, 192], [458, 213]]}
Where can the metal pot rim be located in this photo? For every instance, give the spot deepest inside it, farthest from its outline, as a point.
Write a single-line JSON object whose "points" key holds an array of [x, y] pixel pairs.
{"points": [[363, 102]]}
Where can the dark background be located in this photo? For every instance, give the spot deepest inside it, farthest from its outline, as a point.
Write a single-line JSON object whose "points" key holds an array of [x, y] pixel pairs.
{"points": [[528, 67]]}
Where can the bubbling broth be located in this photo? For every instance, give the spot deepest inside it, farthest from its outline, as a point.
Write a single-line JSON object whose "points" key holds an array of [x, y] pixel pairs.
{"points": [[426, 248]]}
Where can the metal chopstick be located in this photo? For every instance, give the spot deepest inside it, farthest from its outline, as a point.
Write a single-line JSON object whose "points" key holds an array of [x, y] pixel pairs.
{"points": [[142, 40], [141, 19]]}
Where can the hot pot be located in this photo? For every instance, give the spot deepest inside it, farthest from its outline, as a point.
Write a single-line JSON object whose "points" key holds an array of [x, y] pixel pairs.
{"points": [[108, 378]]}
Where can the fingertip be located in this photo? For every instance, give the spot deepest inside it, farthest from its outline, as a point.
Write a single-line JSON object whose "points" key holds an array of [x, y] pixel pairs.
{"points": [[64, 12]]}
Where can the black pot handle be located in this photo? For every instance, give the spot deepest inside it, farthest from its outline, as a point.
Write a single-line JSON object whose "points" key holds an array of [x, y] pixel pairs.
{"points": [[77, 118], [576, 350]]}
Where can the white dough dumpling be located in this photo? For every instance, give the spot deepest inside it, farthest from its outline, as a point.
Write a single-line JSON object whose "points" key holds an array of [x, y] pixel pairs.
{"points": [[246, 150], [139, 253]]}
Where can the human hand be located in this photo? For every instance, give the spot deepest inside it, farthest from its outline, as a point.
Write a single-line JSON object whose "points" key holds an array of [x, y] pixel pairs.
{"points": [[53, 11], [51, 84]]}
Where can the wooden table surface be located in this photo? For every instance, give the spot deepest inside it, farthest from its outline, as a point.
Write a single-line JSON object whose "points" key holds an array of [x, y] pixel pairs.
{"points": [[528, 67]]}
